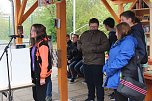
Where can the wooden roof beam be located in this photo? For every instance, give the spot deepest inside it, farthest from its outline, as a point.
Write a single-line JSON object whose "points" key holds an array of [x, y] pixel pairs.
{"points": [[111, 10], [21, 11], [120, 9], [148, 2], [132, 5], [122, 1], [17, 4], [29, 12]]}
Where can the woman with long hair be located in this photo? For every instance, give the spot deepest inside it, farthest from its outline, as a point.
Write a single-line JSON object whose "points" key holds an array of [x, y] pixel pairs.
{"points": [[41, 65], [120, 55]]}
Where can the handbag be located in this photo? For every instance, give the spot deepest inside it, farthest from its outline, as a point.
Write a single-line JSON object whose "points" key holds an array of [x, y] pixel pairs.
{"points": [[135, 90]]}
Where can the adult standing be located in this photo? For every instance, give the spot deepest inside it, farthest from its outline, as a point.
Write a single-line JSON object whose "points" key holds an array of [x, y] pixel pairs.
{"points": [[93, 44], [122, 60]]}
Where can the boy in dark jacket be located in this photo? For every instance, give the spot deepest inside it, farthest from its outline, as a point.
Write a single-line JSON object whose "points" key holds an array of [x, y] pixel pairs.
{"points": [[109, 24], [69, 53]]}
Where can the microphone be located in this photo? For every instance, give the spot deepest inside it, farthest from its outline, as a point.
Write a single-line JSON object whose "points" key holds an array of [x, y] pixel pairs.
{"points": [[16, 36]]}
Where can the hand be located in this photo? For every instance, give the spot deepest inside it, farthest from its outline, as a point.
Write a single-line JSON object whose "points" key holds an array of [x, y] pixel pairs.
{"points": [[69, 61], [145, 69], [42, 81]]}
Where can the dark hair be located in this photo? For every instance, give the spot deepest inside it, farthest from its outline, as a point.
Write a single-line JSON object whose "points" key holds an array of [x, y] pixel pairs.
{"points": [[94, 20], [68, 35], [49, 37], [76, 35], [137, 20], [129, 14], [40, 33], [123, 29], [110, 22]]}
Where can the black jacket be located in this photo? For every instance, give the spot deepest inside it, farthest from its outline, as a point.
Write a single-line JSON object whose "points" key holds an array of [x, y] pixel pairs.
{"points": [[138, 33], [76, 54], [112, 38], [69, 50], [38, 62]]}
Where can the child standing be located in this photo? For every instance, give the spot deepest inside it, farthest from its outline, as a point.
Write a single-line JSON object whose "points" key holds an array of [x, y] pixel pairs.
{"points": [[41, 66]]}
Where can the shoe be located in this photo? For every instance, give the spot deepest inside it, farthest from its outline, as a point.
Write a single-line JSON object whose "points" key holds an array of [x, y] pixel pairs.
{"points": [[89, 100], [48, 98], [84, 82], [72, 80], [112, 96]]}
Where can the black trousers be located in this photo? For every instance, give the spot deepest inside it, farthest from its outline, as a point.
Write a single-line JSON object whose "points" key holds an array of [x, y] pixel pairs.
{"points": [[39, 91], [94, 79]]}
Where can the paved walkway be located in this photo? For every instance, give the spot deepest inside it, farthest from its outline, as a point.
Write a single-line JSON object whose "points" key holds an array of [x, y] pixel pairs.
{"points": [[76, 91]]}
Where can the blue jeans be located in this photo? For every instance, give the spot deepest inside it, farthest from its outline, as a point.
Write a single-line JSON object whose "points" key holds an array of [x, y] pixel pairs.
{"points": [[77, 67], [49, 88], [72, 70]]}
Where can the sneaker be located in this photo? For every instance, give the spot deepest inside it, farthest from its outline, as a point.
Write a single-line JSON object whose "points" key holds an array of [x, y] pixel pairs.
{"points": [[72, 80], [112, 96], [84, 82], [48, 98]]}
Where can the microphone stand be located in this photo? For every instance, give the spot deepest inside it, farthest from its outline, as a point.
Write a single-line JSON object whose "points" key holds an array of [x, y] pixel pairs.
{"points": [[10, 97]]}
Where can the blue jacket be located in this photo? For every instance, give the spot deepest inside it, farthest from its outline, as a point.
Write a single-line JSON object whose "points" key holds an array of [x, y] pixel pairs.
{"points": [[119, 55]]}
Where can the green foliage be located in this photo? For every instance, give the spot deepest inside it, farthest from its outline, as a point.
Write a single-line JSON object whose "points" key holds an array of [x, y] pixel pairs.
{"points": [[5, 27], [85, 9]]}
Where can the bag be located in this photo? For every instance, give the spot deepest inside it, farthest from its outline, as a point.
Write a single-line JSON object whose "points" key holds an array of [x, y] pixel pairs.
{"points": [[132, 89], [144, 59]]}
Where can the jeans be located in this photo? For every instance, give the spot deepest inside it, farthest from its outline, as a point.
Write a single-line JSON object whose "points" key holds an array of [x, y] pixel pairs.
{"points": [[72, 70], [77, 67], [49, 88]]}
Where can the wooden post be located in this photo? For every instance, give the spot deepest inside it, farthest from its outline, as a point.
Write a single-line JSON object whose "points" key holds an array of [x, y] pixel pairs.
{"points": [[17, 4], [61, 46], [120, 9], [20, 17]]}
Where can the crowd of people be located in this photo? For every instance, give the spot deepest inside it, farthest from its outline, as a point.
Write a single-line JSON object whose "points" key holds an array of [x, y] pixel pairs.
{"points": [[86, 57]]}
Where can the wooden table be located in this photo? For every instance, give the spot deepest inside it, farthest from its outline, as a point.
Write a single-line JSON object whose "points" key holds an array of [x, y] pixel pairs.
{"points": [[148, 80]]}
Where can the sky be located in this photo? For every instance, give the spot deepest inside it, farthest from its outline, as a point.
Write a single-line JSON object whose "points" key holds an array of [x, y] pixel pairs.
{"points": [[5, 6]]}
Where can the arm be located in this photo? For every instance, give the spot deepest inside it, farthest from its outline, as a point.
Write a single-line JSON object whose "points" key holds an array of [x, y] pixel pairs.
{"points": [[112, 39], [105, 66], [43, 51], [126, 53], [141, 47], [104, 44]]}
